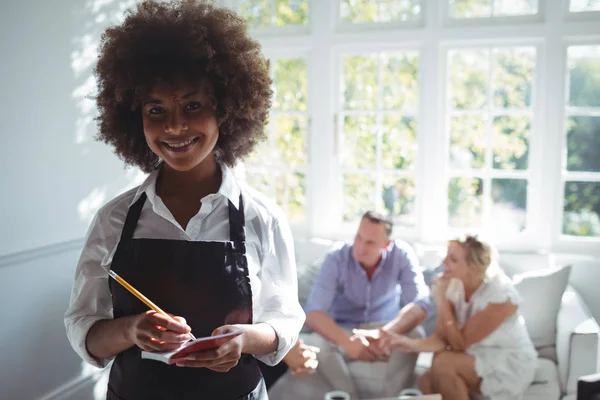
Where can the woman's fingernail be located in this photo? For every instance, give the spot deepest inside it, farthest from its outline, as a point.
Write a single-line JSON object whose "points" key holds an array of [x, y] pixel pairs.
{"points": [[180, 365], [190, 358]]}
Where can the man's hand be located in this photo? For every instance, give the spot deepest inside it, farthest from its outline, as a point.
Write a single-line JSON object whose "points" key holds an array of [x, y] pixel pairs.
{"points": [[390, 341], [221, 359], [358, 348], [302, 359]]}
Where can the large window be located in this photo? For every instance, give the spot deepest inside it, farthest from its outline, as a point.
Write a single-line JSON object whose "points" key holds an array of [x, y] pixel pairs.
{"points": [[446, 115], [378, 119], [582, 151], [278, 167], [489, 123]]}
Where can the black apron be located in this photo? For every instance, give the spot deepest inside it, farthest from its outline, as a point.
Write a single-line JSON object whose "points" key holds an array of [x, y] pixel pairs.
{"points": [[207, 283]]}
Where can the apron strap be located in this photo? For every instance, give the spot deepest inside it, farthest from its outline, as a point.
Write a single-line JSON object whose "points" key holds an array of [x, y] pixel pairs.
{"points": [[131, 221], [237, 226]]}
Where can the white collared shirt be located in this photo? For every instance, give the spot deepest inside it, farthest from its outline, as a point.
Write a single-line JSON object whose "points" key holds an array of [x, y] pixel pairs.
{"points": [[269, 249]]}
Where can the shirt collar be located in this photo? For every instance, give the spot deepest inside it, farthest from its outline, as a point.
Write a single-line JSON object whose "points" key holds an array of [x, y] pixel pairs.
{"points": [[384, 256], [229, 186]]}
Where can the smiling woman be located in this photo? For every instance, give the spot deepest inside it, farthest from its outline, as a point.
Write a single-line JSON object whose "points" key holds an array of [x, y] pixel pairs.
{"points": [[184, 94], [180, 125], [147, 55]]}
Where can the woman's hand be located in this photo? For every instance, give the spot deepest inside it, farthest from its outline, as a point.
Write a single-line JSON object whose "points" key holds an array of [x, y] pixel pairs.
{"points": [[440, 286], [389, 341], [302, 359], [221, 359], [154, 332]]}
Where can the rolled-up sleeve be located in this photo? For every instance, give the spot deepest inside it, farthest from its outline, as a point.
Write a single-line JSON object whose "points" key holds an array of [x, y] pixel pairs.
{"points": [[90, 296], [412, 284], [325, 285], [278, 303]]}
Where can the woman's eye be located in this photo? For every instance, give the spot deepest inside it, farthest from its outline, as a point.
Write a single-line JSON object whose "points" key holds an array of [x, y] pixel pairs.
{"points": [[194, 105], [155, 111]]}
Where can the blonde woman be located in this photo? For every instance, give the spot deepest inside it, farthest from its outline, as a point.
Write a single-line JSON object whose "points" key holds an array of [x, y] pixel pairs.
{"points": [[481, 344]]}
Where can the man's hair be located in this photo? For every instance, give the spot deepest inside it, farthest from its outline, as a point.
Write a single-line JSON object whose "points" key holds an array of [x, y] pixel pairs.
{"points": [[380, 219]]}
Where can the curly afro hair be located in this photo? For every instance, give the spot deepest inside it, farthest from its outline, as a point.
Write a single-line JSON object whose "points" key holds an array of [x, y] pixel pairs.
{"points": [[190, 41]]}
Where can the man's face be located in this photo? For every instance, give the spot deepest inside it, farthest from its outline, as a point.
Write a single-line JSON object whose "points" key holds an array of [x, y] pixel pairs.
{"points": [[370, 241]]}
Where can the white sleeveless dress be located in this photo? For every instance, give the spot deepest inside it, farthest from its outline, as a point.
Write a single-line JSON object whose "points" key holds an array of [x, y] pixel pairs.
{"points": [[506, 360]]}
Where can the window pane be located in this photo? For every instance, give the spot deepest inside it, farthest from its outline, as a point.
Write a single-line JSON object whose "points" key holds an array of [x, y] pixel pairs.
{"points": [[470, 8], [468, 78], [359, 83], [260, 180], [356, 11], [263, 153], [465, 202], [399, 10], [359, 142], [582, 209], [400, 82], [484, 8], [467, 142], [256, 12], [359, 196], [584, 76], [290, 193], [290, 85], [291, 12], [513, 77], [399, 145], [509, 205], [511, 142], [584, 5], [398, 199], [583, 144], [515, 7], [290, 140]]}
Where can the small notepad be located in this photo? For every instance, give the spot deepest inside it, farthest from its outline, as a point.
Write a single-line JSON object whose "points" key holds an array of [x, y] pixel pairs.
{"points": [[193, 346]]}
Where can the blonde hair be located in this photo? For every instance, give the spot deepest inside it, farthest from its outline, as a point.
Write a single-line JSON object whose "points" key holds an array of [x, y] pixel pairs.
{"points": [[480, 254]]}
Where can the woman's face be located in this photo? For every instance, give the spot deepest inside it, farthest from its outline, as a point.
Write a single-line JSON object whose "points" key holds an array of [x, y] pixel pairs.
{"points": [[180, 125], [455, 263]]}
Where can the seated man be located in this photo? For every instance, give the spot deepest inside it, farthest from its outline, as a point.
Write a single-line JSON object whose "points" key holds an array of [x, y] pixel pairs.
{"points": [[362, 286]]}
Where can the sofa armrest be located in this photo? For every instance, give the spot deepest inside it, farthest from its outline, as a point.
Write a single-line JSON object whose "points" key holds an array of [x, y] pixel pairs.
{"points": [[576, 341]]}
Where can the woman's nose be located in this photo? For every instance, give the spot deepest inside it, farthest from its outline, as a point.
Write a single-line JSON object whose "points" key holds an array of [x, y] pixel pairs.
{"points": [[176, 123]]}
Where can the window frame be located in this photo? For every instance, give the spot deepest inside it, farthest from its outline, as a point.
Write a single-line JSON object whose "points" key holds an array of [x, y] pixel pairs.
{"points": [[492, 20], [356, 50], [525, 238], [579, 15], [563, 240], [273, 30], [347, 27], [324, 40]]}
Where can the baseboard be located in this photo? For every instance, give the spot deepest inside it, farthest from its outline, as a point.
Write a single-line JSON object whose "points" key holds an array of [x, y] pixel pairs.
{"points": [[74, 385], [40, 252]]}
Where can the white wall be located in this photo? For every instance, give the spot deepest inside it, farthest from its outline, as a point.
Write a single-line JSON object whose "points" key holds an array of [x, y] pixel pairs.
{"points": [[51, 170]]}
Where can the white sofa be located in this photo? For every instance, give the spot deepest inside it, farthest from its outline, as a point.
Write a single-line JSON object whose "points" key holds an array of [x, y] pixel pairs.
{"points": [[570, 352]]}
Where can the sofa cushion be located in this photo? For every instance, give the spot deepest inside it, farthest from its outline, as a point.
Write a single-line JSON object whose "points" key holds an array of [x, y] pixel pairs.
{"points": [[542, 293]]}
